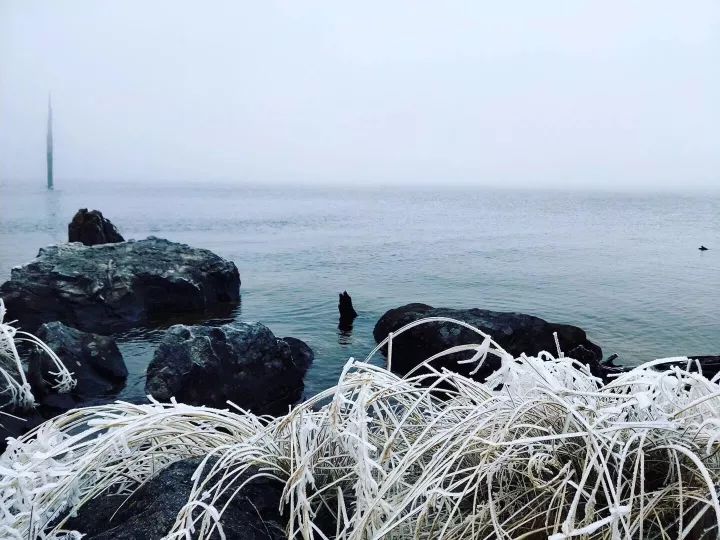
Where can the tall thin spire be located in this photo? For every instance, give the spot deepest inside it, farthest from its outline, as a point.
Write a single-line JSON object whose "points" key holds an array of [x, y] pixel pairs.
{"points": [[49, 146]]}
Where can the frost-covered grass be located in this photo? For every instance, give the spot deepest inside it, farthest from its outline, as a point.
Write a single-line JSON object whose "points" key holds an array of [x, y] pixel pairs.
{"points": [[541, 450], [16, 392]]}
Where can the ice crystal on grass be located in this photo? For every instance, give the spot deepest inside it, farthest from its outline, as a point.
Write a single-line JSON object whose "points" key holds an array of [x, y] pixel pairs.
{"points": [[542, 449]]}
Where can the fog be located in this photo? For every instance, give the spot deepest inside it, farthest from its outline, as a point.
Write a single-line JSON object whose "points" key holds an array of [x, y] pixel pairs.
{"points": [[598, 94]]}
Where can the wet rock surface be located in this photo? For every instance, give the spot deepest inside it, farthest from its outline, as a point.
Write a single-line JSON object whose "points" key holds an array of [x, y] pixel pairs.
{"points": [[150, 512], [94, 360], [241, 362], [301, 352], [112, 287], [517, 333], [91, 228]]}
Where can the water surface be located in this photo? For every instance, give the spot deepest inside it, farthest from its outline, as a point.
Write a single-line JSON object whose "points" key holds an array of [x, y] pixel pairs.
{"points": [[624, 267]]}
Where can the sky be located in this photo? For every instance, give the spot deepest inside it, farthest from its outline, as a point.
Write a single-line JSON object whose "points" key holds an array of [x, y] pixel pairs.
{"points": [[559, 94]]}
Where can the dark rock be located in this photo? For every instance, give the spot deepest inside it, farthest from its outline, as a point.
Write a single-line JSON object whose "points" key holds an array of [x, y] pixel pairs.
{"points": [[94, 360], [709, 364], [302, 354], [347, 312], [703, 248], [345, 306], [37, 375], [598, 367], [516, 332], [609, 369], [8, 364], [241, 362], [92, 228], [17, 423], [118, 286], [149, 513]]}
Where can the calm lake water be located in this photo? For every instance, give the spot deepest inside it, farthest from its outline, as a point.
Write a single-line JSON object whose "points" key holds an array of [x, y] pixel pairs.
{"points": [[625, 268]]}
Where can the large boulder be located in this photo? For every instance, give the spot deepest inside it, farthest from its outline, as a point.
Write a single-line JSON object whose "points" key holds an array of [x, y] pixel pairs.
{"points": [[117, 286], [241, 362], [149, 513], [91, 228], [517, 333]]}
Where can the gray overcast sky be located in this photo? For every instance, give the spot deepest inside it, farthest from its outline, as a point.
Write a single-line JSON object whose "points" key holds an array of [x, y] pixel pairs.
{"points": [[518, 93]]}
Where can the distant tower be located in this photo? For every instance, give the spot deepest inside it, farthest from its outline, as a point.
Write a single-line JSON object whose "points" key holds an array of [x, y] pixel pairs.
{"points": [[49, 147]]}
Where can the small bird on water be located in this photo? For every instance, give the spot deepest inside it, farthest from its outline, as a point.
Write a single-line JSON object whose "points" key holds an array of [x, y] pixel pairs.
{"points": [[703, 248]]}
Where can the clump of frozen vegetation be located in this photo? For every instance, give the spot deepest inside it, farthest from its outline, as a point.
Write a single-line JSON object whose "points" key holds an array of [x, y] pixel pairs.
{"points": [[15, 391], [543, 449]]}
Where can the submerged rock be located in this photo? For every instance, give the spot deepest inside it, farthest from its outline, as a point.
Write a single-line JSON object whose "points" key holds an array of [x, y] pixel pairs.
{"points": [[241, 362], [91, 228], [150, 512], [117, 286], [517, 333]]}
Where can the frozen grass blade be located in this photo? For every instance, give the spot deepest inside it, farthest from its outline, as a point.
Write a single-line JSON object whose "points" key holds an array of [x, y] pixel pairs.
{"points": [[18, 392]]}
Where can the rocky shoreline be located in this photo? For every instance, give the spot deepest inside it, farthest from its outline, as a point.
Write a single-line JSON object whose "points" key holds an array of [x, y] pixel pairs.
{"points": [[74, 296]]}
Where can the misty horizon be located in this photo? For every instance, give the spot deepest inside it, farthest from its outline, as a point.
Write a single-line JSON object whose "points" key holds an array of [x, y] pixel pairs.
{"points": [[602, 96]]}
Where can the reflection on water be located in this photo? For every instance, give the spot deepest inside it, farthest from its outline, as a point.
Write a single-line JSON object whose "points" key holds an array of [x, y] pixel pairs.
{"points": [[344, 334], [217, 315], [52, 217]]}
